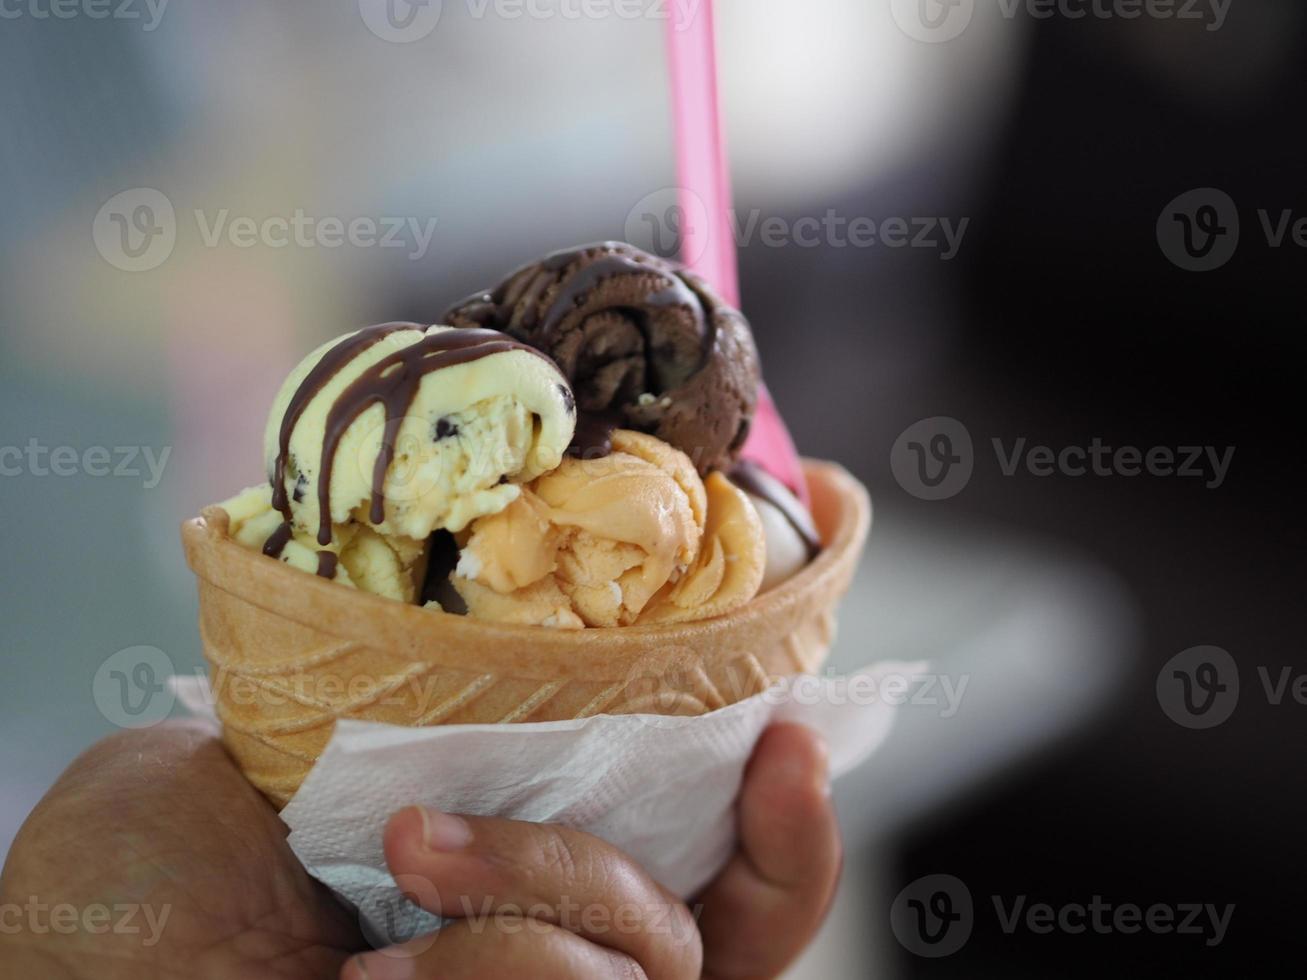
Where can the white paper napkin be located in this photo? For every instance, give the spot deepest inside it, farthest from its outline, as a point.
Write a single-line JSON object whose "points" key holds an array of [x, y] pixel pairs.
{"points": [[662, 789]]}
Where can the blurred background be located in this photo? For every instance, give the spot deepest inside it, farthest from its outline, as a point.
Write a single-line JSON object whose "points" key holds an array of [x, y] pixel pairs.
{"points": [[1059, 282]]}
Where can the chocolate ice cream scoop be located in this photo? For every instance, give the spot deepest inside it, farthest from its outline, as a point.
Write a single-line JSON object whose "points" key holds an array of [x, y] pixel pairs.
{"points": [[644, 344]]}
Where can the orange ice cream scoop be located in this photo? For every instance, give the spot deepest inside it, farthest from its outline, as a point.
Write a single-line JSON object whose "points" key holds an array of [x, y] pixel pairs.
{"points": [[599, 542], [729, 568]]}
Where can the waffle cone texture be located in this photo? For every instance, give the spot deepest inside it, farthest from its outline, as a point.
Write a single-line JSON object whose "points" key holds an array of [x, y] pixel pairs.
{"points": [[289, 653]]}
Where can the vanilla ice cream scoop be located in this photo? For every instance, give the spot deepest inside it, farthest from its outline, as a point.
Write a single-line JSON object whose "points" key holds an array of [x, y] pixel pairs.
{"points": [[792, 539], [624, 539], [358, 556], [409, 429]]}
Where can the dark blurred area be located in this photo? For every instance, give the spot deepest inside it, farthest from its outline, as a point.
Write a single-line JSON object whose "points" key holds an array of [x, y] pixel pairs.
{"points": [[1060, 320], [1074, 325]]}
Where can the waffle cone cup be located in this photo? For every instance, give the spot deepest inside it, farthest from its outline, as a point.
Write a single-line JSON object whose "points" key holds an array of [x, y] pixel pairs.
{"points": [[289, 653]]}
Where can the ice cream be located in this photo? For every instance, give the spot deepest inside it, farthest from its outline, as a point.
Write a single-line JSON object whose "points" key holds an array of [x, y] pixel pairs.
{"points": [[358, 556], [552, 525], [546, 503], [562, 451], [410, 429], [729, 568], [792, 539], [292, 655], [644, 344], [629, 538]]}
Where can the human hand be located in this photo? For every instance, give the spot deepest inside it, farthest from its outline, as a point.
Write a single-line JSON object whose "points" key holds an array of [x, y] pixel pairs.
{"points": [[545, 901], [162, 821]]}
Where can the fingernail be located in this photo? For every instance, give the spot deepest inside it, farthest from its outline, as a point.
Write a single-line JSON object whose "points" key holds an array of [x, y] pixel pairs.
{"points": [[386, 965], [444, 831]]}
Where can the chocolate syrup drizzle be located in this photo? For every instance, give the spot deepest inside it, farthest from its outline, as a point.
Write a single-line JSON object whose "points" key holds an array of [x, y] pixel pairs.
{"points": [[391, 382], [278, 540], [522, 290], [317, 379], [593, 438], [514, 307], [753, 479]]}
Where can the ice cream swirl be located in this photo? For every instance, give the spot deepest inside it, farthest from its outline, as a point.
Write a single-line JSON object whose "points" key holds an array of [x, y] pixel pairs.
{"points": [[645, 346]]}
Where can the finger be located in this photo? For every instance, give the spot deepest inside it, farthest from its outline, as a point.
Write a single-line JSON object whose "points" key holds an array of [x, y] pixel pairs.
{"points": [[479, 865], [501, 947], [766, 905]]}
